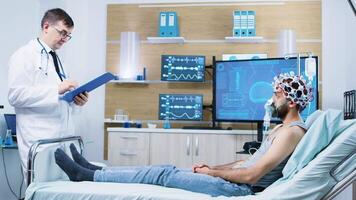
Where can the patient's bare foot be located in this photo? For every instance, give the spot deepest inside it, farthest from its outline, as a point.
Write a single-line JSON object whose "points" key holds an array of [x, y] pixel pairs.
{"points": [[78, 158], [74, 171]]}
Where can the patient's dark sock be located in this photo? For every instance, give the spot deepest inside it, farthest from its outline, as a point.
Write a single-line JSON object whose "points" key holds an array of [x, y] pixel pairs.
{"points": [[74, 171], [78, 158]]}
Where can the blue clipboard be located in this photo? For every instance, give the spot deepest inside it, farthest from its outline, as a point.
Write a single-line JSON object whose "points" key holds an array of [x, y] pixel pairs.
{"points": [[91, 85]]}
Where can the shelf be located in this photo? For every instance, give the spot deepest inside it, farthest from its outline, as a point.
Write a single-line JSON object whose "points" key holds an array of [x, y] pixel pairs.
{"points": [[210, 4], [109, 120], [230, 40], [129, 82], [165, 40], [256, 39], [153, 82]]}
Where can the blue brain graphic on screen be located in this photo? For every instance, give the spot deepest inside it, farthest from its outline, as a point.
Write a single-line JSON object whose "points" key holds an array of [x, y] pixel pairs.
{"points": [[243, 87]]}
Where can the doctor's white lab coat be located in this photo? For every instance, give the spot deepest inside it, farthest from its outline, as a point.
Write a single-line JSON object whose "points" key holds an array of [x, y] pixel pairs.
{"points": [[33, 91]]}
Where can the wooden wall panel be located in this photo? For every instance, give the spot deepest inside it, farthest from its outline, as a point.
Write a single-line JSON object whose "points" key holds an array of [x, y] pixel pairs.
{"points": [[196, 23], [215, 22]]}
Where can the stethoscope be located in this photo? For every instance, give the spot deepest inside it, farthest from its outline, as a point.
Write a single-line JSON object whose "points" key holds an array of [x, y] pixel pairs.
{"points": [[45, 58]]}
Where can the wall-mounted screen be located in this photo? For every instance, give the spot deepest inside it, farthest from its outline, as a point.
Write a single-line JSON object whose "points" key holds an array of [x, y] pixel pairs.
{"points": [[183, 68], [242, 87], [181, 107]]}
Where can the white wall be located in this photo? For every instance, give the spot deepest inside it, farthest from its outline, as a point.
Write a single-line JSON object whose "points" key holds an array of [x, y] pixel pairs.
{"points": [[19, 25], [17, 29], [89, 48], [339, 46], [339, 60]]}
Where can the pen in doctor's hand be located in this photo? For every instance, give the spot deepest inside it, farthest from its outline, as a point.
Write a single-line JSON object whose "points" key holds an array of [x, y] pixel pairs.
{"points": [[66, 85]]}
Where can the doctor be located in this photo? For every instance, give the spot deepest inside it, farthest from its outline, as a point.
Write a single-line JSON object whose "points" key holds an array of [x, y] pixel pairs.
{"points": [[37, 79]]}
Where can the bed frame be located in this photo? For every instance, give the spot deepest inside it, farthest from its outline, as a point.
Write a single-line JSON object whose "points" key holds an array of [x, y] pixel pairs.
{"points": [[338, 188], [341, 184], [33, 153]]}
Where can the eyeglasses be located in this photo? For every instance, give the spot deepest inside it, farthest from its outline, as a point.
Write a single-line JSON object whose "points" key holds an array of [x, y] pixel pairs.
{"points": [[63, 34]]}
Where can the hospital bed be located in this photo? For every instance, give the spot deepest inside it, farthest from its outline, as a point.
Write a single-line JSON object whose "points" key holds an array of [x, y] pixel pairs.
{"points": [[329, 170]]}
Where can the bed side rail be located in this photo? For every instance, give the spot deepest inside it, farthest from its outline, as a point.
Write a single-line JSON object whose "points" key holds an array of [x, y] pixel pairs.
{"points": [[33, 152], [345, 182], [340, 186]]}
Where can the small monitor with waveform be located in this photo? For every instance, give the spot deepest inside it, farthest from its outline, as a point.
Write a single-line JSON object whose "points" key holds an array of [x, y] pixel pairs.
{"points": [[186, 68], [181, 107]]}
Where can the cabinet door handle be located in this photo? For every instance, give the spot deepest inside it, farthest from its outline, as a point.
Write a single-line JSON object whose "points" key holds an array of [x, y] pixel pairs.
{"points": [[197, 146], [129, 137], [188, 145], [128, 154]]}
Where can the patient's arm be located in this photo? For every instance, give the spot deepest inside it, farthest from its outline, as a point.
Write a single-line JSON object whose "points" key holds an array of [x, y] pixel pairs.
{"points": [[228, 165], [282, 146], [224, 166]]}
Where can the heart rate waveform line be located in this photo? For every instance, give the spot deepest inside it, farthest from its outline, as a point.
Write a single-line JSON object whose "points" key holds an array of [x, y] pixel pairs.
{"points": [[184, 77], [195, 59], [171, 115], [182, 68], [180, 106]]}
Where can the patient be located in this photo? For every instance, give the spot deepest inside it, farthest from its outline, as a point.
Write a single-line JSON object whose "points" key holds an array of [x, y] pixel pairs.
{"points": [[291, 95]]}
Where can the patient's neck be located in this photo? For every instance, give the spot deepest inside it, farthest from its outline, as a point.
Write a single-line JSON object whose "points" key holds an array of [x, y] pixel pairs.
{"points": [[292, 116]]}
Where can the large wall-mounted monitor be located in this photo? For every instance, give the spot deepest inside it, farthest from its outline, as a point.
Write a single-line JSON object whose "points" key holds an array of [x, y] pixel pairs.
{"points": [[181, 107], [186, 68], [244, 56], [242, 87]]}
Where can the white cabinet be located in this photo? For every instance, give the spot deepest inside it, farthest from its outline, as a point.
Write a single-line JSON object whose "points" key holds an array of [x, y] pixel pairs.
{"points": [[183, 150], [173, 149], [128, 149], [214, 149]]}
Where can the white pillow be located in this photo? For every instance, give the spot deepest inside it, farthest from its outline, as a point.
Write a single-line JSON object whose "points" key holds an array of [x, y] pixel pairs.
{"points": [[311, 118]]}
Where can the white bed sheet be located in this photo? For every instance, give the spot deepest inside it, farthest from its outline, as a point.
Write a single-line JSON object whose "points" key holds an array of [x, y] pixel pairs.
{"points": [[60, 190]]}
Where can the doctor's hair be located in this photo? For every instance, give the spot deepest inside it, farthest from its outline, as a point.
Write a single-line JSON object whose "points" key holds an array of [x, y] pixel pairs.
{"points": [[55, 15]]}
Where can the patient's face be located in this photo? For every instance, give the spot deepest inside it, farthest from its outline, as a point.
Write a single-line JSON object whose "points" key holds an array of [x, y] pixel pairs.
{"points": [[280, 104], [278, 96], [282, 109]]}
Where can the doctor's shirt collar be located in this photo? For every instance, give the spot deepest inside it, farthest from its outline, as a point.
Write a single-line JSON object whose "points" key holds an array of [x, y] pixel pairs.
{"points": [[47, 48]]}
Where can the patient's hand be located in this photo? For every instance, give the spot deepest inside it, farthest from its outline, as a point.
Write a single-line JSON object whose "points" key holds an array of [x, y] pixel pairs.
{"points": [[196, 167], [202, 170]]}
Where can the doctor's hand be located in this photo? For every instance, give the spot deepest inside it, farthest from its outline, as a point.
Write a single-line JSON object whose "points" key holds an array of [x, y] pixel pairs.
{"points": [[81, 99], [199, 167], [66, 85]]}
